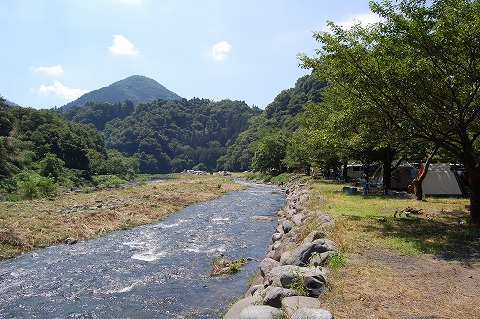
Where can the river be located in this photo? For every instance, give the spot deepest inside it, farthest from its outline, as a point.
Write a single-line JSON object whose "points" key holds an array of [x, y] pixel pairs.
{"points": [[154, 271]]}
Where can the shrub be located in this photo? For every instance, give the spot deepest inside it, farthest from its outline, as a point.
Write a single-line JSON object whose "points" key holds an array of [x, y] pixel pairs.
{"points": [[34, 186]]}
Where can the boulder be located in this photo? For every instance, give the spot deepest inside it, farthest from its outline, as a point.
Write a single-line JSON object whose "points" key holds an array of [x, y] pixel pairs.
{"points": [[315, 285], [285, 246], [292, 304], [287, 226], [260, 312], [310, 313], [253, 289], [276, 237], [283, 276], [71, 241], [261, 218], [320, 259], [234, 311], [302, 254], [267, 265], [274, 295], [298, 219], [314, 235]]}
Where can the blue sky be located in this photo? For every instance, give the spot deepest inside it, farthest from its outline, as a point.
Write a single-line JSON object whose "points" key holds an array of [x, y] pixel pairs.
{"points": [[53, 51]]}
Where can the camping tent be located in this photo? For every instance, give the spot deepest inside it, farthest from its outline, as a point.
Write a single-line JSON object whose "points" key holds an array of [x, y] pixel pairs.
{"points": [[401, 177], [442, 181]]}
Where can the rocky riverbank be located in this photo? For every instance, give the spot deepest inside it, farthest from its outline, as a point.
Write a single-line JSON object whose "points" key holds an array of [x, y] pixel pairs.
{"points": [[291, 277]]}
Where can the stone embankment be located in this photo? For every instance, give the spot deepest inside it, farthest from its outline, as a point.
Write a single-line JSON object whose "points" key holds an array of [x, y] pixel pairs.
{"points": [[291, 277]]}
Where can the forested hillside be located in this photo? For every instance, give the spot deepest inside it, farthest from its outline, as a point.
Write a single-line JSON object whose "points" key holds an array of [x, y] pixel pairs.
{"points": [[41, 147], [263, 145], [173, 136], [135, 88]]}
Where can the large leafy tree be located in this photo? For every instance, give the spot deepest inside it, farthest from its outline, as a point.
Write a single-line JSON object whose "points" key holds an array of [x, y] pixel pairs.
{"points": [[418, 68]]}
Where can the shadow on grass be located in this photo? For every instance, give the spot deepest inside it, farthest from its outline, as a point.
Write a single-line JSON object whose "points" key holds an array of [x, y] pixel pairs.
{"points": [[443, 236]]}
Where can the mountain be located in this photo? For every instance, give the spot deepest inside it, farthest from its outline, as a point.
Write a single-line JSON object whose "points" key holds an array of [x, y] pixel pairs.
{"points": [[10, 103], [135, 88]]}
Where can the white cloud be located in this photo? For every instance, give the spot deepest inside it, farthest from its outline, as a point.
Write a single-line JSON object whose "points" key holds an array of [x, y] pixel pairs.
{"points": [[122, 46], [50, 70], [61, 90], [220, 50], [365, 19]]}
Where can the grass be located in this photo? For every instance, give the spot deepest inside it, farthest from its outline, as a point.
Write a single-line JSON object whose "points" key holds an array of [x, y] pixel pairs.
{"points": [[222, 266], [362, 221], [397, 267], [30, 224]]}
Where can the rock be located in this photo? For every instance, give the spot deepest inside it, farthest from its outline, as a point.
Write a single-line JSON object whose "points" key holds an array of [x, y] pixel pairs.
{"points": [[261, 218], [309, 313], [260, 312], [292, 304], [302, 254], [319, 260], [287, 226], [314, 235], [283, 276], [276, 237], [253, 289], [234, 311], [267, 265], [274, 295], [71, 241], [285, 246], [298, 219], [315, 285]]}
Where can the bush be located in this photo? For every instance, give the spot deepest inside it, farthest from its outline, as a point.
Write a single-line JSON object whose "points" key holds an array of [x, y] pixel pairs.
{"points": [[34, 186]]}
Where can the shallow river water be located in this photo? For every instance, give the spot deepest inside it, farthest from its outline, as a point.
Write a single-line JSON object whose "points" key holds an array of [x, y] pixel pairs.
{"points": [[155, 271]]}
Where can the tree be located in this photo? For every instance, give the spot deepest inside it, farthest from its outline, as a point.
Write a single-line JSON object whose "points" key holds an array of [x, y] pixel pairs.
{"points": [[269, 151], [51, 166], [419, 68]]}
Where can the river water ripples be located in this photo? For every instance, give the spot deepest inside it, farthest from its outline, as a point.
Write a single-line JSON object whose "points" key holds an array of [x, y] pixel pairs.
{"points": [[154, 271]]}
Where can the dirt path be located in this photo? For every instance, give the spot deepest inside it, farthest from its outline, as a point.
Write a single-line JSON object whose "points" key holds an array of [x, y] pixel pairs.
{"points": [[383, 284]]}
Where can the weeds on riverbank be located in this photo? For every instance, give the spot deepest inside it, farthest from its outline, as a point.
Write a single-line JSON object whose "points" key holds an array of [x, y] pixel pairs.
{"points": [[26, 225], [222, 266]]}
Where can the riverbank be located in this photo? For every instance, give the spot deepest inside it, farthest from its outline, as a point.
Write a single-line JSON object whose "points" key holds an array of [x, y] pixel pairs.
{"points": [[80, 215], [386, 265]]}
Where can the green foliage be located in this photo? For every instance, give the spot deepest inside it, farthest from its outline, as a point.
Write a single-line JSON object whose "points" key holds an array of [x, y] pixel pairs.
{"points": [[46, 143], [221, 266], [420, 63], [269, 151], [170, 136], [35, 186], [336, 261], [280, 114], [51, 166], [297, 284]]}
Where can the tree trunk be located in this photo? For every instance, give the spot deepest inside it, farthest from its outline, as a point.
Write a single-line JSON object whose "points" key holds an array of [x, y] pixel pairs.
{"points": [[473, 172], [387, 171], [417, 182], [345, 164]]}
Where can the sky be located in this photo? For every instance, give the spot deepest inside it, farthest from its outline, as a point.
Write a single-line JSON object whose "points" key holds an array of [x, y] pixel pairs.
{"points": [[53, 51]]}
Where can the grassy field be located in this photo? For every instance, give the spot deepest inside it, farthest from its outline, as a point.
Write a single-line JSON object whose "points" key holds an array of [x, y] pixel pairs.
{"points": [[30, 224], [421, 266]]}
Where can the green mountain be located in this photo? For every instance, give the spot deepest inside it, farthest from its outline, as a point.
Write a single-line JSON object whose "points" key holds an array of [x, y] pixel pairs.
{"points": [[135, 88]]}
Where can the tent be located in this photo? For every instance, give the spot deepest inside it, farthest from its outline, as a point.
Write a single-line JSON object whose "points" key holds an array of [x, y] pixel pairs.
{"points": [[441, 180], [401, 177]]}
